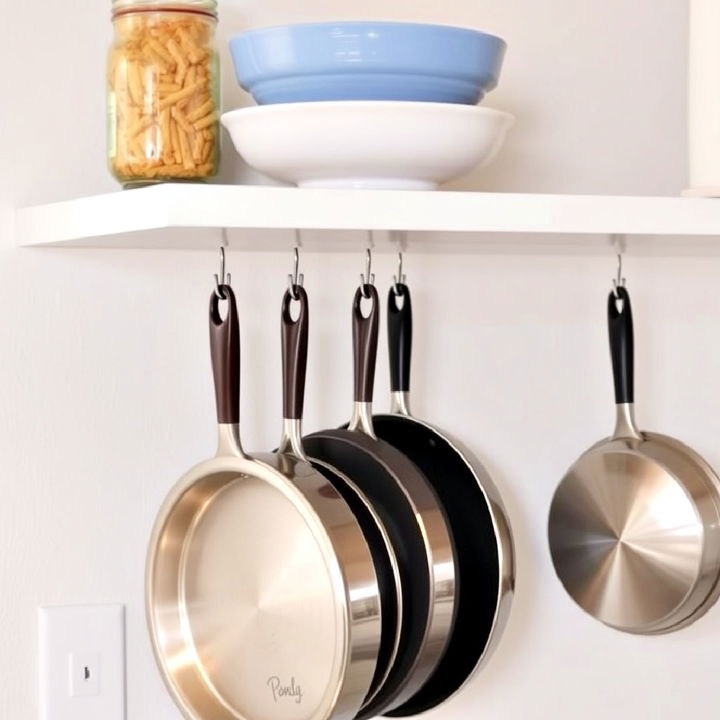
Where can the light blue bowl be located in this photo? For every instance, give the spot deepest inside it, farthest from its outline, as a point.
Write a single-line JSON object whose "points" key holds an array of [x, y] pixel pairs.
{"points": [[367, 61]]}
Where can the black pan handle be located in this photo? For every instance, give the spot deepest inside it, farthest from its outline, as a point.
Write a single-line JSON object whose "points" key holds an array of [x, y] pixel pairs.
{"points": [[294, 353], [365, 341], [399, 320], [225, 356], [622, 353]]}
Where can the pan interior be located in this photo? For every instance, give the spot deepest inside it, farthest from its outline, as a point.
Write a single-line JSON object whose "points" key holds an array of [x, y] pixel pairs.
{"points": [[477, 554], [247, 615], [626, 538]]}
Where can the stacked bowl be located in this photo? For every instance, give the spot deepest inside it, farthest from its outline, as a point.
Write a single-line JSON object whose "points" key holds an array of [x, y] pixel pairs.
{"points": [[379, 105]]}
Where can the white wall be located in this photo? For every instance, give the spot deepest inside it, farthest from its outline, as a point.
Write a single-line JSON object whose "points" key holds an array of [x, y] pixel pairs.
{"points": [[105, 395]]}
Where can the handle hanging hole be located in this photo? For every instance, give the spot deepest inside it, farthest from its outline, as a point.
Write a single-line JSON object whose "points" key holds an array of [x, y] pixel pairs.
{"points": [[366, 305], [294, 306], [221, 305]]}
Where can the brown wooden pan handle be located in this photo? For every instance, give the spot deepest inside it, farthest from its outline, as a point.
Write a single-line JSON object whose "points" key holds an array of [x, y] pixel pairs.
{"points": [[294, 353], [365, 341], [399, 321], [225, 356]]}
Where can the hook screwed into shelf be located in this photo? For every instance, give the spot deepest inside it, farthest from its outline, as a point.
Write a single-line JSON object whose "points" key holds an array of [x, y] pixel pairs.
{"points": [[618, 281], [295, 278], [619, 244], [368, 277], [400, 278], [226, 279]]}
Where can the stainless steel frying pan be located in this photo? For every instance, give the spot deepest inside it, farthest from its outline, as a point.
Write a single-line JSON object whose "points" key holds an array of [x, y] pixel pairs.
{"points": [[634, 525], [294, 337], [262, 597]]}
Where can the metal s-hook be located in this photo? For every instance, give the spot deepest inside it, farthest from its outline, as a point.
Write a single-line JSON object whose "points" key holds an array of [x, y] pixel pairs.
{"points": [[619, 280], [295, 279], [226, 280], [400, 278], [368, 277], [619, 244]]}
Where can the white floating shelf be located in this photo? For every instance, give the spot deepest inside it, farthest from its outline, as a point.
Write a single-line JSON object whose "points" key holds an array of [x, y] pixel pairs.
{"points": [[192, 216]]}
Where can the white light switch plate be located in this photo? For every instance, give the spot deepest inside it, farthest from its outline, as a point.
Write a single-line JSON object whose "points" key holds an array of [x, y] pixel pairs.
{"points": [[82, 662]]}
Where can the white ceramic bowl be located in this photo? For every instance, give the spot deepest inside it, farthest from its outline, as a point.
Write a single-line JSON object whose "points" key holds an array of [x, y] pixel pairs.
{"points": [[356, 144]]}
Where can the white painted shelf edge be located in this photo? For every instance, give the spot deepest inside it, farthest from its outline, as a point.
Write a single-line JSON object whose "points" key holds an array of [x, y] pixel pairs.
{"points": [[125, 216]]}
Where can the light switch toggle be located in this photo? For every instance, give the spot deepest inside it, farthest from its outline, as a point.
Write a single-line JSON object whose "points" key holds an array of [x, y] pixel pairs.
{"points": [[85, 675]]}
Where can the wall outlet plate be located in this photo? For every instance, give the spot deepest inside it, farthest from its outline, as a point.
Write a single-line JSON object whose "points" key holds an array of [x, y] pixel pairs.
{"points": [[82, 662]]}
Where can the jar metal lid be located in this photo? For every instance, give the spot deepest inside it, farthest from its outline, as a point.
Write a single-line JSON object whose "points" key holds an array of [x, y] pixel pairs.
{"points": [[205, 6]]}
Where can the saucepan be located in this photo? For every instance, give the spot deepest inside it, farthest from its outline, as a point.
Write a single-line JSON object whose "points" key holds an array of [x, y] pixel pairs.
{"points": [[634, 525]]}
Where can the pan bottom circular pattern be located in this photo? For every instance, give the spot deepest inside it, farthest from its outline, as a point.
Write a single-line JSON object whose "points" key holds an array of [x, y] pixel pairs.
{"points": [[628, 541]]}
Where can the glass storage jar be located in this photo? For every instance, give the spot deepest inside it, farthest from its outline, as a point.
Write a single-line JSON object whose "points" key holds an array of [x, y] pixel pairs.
{"points": [[163, 91]]}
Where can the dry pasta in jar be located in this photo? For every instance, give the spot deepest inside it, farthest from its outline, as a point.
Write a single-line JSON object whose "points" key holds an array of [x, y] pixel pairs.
{"points": [[163, 92]]}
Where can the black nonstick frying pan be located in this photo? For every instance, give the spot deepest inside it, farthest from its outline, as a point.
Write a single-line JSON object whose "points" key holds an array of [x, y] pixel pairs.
{"points": [[409, 509], [479, 525]]}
